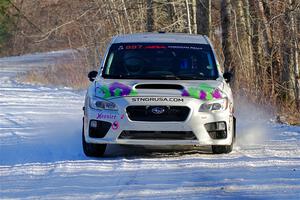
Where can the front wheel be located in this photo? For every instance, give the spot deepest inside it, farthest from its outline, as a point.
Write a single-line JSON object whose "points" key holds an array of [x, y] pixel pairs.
{"points": [[92, 150], [219, 149]]}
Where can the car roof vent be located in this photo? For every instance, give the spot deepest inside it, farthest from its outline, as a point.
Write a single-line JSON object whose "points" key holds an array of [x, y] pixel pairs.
{"points": [[159, 86]]}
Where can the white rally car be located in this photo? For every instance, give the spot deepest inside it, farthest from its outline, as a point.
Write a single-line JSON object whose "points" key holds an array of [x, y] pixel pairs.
{"points": [[159, 89]]}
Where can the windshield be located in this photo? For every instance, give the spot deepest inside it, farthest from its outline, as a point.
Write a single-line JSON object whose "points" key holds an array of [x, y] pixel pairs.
{"points": [[160, 61]]}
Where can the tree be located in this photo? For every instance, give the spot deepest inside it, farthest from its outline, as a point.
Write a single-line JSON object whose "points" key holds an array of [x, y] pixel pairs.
{"points": [[287, 56], [243, 41], [295, 44], [227, 38], [203, 17], [5, 22], [150, 15], [188, 16]]}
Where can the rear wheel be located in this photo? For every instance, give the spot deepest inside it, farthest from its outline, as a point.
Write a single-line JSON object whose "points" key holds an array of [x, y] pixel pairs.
{"points": [[92, 150]]}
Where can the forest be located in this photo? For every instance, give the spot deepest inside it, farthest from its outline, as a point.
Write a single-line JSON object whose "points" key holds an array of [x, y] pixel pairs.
{"points": [[256, 40]]}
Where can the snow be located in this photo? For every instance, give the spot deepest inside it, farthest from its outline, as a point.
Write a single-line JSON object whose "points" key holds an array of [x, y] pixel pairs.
{"points": [[41, 156]]}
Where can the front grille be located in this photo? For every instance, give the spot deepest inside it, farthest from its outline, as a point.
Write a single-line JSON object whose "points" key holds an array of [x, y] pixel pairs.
{"points": [[158, 135], [170, 113]]}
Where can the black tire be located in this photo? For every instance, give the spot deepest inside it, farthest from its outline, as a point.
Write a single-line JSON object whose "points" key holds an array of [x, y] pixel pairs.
{"points": [[92, 150], [234, 130], [219, 149]]}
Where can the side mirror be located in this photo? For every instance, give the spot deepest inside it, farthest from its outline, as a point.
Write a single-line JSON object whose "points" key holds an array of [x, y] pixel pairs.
{"points": [[92, 75], [227, 76]]}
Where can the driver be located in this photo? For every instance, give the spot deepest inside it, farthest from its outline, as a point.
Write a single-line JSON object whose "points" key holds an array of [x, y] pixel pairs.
{"points": [[133, 63]]}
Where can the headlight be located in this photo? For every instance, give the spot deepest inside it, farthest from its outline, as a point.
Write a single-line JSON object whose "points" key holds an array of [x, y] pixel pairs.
{"points": [[216, 105], [101, 104]]}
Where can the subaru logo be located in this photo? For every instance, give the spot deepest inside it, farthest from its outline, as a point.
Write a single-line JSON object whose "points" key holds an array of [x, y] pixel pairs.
{"points": [[157, 110]]}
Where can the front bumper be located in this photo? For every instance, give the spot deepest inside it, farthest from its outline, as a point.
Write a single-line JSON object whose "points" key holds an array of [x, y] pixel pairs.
{"points": [[195, 123]]}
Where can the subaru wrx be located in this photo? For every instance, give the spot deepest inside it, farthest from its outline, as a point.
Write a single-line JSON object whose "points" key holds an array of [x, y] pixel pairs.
{"points": [[159, 89]]}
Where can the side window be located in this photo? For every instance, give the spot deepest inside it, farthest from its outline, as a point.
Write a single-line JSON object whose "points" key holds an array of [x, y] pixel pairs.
{"points": [[217, 58], [209, 67], [111, 56]]}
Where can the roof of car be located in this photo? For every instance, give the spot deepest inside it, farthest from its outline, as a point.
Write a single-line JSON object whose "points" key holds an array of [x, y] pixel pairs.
{"points": [[161, 38]]}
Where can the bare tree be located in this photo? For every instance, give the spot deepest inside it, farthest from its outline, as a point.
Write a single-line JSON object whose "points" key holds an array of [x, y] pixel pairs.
{"points": [[150, 16], [227, 41], [127, 16], [204, 17], [295, 48], [194, 9], [188, 16], [243, 43], [287, 57]]}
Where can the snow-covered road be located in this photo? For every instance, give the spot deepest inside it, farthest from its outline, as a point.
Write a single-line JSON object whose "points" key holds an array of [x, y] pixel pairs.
{"points": [[41, 156]]}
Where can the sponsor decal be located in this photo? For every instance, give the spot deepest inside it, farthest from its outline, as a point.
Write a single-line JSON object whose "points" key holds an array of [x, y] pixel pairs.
{"points": [[115, 125], [163, 99], [106, 116], [139, 46], [145, 47], [185, 47], [109, 116]]}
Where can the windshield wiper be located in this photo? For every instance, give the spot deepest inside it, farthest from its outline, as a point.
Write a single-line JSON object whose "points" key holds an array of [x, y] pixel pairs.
{"points": [[157, 76], [117, 76], [170, 77], [193, 77]]}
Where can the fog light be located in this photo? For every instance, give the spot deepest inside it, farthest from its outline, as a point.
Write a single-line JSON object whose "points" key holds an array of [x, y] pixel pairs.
{"points": [[221, 126], [98, 129], [216, 130], [93, 124]]}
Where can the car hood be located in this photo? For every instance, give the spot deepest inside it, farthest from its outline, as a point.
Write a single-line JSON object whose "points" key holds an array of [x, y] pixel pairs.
{"points": [[200, 89]]}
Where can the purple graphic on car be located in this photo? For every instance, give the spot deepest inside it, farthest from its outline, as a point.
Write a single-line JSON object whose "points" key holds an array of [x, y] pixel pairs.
{"points": [[115, 89], [202, 95]]}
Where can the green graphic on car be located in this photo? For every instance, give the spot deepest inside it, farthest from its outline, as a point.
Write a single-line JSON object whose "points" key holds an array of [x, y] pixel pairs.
{"points": [[117, 89]]}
